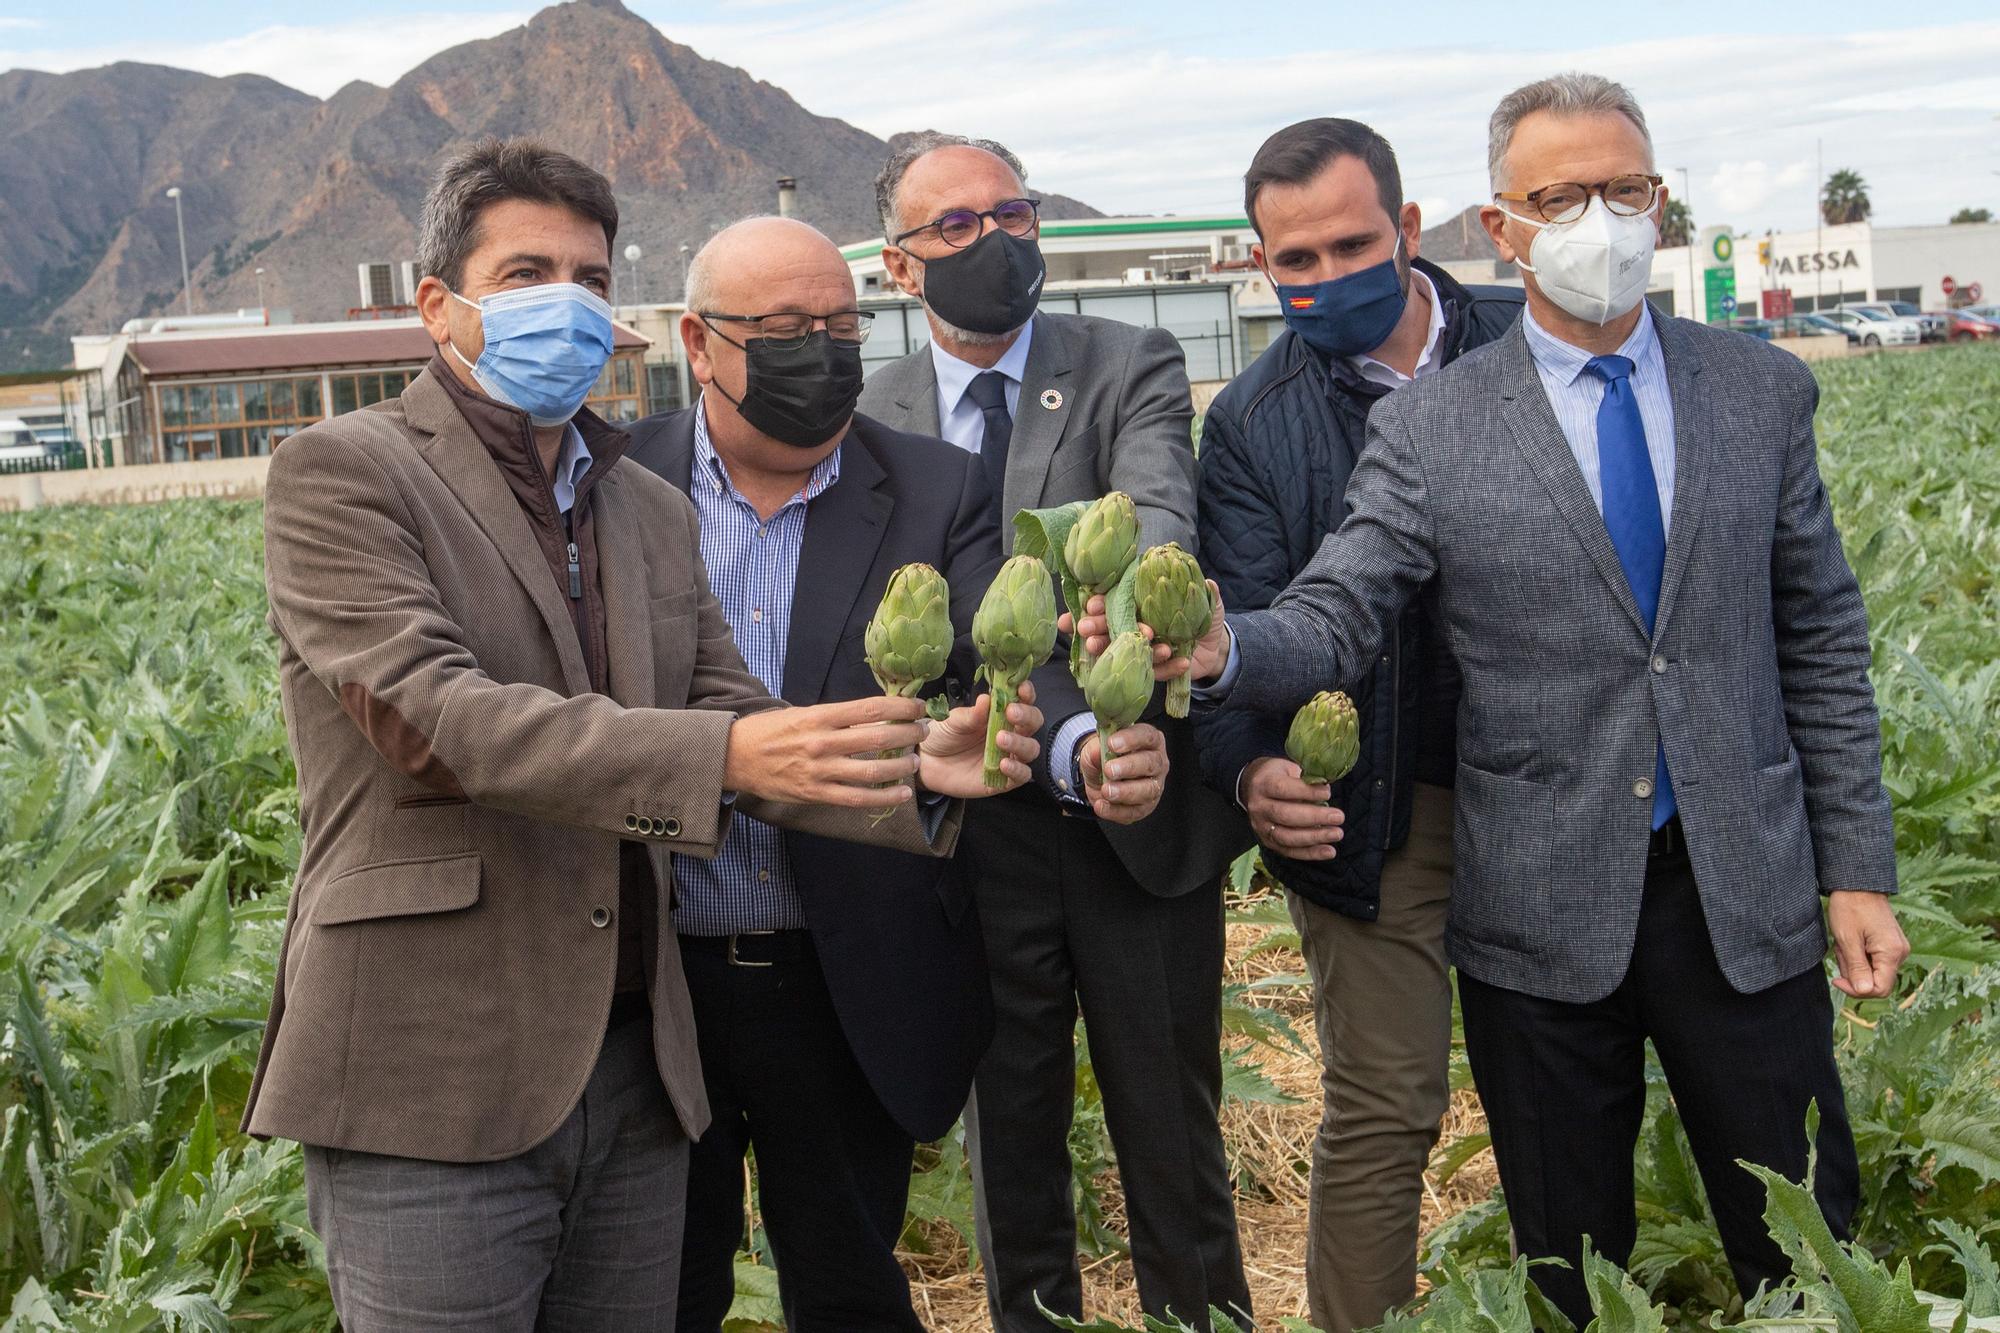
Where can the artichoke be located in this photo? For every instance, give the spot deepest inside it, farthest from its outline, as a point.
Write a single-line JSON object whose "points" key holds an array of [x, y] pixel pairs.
{"points": [[1325, 738], [1120, 687], [1174, 604], [1097, 551], [1014, 631], [910, 637]]}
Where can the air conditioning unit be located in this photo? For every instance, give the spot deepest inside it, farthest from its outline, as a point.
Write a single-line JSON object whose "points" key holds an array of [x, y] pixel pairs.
{"points": [[378, 285], [408, 271], [1139, 275]]}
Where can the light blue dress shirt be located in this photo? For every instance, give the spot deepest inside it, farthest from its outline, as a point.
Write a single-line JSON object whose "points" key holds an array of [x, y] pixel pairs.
{"points": [[571, 464], [959, 418], [753, 567], [1575, 397]]}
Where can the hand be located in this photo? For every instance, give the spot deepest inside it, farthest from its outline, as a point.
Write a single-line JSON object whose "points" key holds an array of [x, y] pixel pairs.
{"points": [[810, 754], [1289, 815], [953, 758], [1210, 655], [1867, 942], [1129, 788]]}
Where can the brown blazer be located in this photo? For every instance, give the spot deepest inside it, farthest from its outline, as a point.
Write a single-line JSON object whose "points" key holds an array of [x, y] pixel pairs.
{"points": [[450, 947]]}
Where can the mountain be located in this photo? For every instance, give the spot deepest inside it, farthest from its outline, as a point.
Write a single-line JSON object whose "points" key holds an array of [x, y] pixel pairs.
{"points": [[307, 188]]}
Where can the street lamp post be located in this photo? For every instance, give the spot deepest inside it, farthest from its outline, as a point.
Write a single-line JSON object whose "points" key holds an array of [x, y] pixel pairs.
{"points": [[261, 307], [633, 254], [180, 225], [1694, 297]]}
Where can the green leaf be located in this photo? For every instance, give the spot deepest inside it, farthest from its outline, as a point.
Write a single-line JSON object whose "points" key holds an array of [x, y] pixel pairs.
{"points": [[1982, 1275], [756, 1308], [1620, 1304]]}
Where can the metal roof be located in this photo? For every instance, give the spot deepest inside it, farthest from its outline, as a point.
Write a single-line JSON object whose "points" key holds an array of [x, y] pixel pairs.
{"points": [[307, 347]]}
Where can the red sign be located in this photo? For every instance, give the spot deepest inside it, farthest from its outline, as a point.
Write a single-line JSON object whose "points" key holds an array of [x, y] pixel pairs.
{"points": [[1778, 303], [1972, 294], [1948, 285]]}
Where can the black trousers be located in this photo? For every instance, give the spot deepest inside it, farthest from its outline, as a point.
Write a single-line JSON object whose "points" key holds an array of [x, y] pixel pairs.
{"points": [[1067, 926], [833, 1170], [1564, 1090]]}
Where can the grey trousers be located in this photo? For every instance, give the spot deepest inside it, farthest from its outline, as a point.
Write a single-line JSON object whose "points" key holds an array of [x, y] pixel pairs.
{"points": [[1382, 1005], [580, 1234]]}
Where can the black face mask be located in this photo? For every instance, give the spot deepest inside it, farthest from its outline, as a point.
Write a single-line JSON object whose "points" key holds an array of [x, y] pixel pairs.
{"points": [[990, 286], [798, 395]]}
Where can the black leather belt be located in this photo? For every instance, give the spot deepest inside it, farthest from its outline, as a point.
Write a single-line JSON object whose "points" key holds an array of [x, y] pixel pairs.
{"points": [[1668, 840], [753, 948]]}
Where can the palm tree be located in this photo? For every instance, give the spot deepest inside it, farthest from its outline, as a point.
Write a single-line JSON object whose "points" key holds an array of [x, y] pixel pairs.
{"points": [[1676, 225], [1845, 198]]}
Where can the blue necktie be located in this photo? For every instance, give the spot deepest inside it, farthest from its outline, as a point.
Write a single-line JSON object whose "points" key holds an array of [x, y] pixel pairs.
{"points": [[1632, 515]]}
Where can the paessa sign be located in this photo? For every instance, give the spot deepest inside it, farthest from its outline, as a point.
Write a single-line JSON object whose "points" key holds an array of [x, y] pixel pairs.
{"points": [[1819, 261]]}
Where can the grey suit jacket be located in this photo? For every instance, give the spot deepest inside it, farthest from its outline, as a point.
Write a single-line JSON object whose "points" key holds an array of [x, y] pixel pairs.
{"points": [[1755, 678], [1104, 406]]}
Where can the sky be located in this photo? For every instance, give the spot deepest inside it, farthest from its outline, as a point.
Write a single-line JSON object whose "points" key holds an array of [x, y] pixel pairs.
{"points": [[1156, 107]]}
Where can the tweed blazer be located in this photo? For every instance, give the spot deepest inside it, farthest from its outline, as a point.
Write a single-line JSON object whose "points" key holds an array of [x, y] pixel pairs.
{"points": [[450, 950], [1104, 406], [1755, 677]]}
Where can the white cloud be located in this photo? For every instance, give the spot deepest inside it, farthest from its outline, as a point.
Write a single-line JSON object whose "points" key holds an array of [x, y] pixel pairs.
{"points": [[315, 58]]}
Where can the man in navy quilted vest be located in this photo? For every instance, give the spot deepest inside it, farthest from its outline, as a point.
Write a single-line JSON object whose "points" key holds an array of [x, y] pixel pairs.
{"points": [[1363, 315]]}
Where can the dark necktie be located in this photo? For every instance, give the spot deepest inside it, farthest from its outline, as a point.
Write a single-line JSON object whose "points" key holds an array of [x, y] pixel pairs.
{"points": [[1632, 515], [988, 391]]}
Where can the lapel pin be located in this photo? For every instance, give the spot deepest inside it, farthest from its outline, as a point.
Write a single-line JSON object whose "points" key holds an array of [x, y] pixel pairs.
{"points": [[1052, 399]]}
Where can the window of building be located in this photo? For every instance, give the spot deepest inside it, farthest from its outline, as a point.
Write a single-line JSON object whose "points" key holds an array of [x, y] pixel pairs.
{"points": [[352, 392], [235, 418], [1914, 295], [618, 394]]}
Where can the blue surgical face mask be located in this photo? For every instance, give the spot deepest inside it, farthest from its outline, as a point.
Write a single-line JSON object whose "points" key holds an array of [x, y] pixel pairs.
{"points": [[1349, 315], [545, 347]]}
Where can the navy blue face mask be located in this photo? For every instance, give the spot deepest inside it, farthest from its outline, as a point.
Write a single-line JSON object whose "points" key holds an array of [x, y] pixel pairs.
{"points": [[1349, 315]]}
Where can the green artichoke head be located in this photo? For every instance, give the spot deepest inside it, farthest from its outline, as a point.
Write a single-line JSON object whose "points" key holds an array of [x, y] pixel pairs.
{"points": [[1121, 682], [1015, 626], [1173, 597], [1103, 542], [1325, 738], [909, 639]]}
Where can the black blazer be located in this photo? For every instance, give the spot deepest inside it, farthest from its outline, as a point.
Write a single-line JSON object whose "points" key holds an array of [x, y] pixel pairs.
{"points": [[897, 935]]}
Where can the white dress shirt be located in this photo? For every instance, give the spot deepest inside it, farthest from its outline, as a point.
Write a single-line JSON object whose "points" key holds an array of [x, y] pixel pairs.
{"points": [[959, 418], [1381, 372]]}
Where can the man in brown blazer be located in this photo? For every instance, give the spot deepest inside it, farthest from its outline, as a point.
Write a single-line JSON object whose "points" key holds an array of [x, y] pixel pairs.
{"points": [[512, 697]]}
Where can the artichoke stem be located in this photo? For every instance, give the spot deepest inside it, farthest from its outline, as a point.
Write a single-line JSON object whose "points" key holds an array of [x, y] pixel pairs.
{"points": [[1002, 689], [1180, 696]]}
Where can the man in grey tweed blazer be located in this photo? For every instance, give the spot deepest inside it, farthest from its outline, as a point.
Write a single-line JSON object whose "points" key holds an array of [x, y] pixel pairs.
{"points": [[1661, 771]]}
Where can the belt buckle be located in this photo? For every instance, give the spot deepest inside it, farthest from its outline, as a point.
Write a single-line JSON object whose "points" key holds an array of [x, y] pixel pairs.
{"points": [[734, 961]]}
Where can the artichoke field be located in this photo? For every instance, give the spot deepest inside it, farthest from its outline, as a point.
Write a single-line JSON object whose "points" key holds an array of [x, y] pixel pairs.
{"points": [[149, 831]]}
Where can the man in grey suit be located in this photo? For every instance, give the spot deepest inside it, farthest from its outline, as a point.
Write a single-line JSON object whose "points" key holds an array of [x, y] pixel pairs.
{"points": [[1668, 746], [1123, 920]]}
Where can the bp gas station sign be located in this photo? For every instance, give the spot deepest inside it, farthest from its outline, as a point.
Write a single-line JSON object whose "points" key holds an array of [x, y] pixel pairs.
{"points": [[1720, 289]]}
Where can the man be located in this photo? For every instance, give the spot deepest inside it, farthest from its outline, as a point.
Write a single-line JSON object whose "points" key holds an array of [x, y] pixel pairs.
{"points": [[1122, 919], [1668, 748], [1364, 315], [839, 992], [510, 695]]}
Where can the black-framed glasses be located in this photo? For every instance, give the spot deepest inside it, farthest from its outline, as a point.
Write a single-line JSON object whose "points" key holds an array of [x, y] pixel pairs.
{"points": [[1565, 201], [786, 329], [961, 227]]}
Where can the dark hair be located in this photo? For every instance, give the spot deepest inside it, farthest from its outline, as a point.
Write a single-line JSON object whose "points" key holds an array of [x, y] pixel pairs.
{"points": [[491, 172], [889, 180], [1297, 153]]}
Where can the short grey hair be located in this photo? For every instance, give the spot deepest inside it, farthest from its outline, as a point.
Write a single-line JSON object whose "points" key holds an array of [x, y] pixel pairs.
{"points": [[491, 172], [889, 181], [1571, 94]]}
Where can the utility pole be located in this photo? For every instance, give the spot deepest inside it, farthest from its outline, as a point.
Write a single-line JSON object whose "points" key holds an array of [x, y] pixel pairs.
{"points": [[1819, 229], [1694, 297], [180, 225]]}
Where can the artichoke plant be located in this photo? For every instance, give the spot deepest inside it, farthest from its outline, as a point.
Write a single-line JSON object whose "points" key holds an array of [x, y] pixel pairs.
{"points": [[1174, 604], [1097, 552], [1325, 738], [1120, 686], [1014, 631]]}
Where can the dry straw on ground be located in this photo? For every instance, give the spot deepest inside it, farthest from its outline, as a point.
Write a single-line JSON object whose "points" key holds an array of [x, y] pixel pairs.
{"points": [[1270, 1149]]}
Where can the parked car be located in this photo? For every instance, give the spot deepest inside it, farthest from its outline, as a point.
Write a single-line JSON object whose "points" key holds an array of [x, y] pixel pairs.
{"points": [[1967, 327], [1991, 312], [1876, 329], [1931, 328], [1750, 324], [1808, 326]]}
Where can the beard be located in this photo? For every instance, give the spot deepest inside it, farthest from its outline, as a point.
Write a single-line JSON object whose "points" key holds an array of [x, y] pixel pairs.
{"points": [[966, 337]]}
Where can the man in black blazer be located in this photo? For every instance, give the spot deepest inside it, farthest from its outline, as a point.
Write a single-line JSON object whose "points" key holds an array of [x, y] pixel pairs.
{"points": [[840, 993]]}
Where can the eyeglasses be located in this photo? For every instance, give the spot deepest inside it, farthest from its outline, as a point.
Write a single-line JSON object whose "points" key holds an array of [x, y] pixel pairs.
{"points": [[961, 227], [786, 330], [1565, 201]]}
